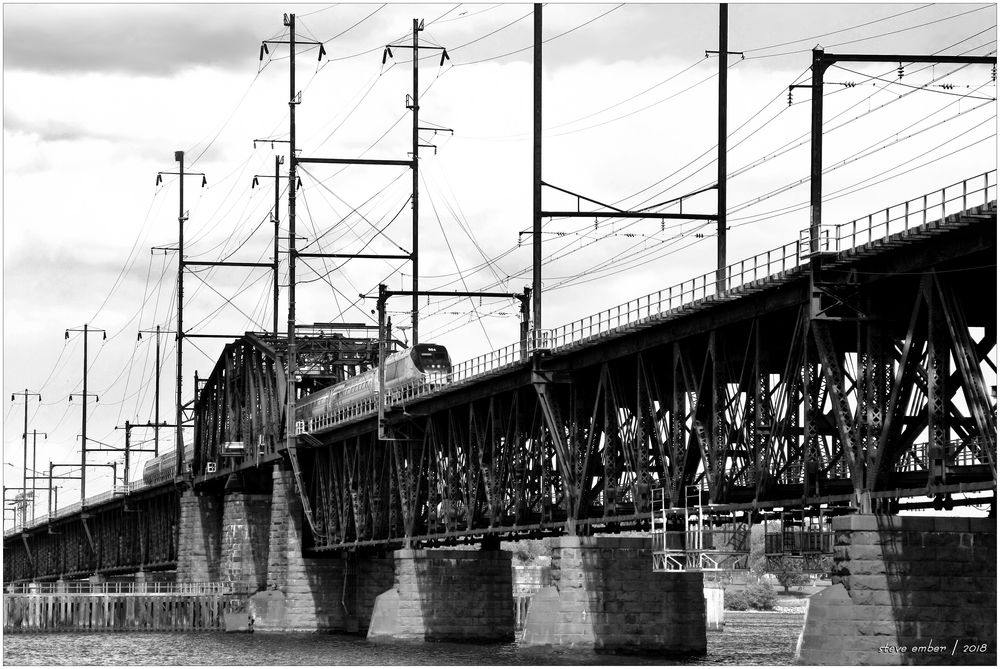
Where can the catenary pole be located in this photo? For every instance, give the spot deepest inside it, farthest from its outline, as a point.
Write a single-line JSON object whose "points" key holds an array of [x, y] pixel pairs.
{"points": [[536, 224], [720, 277]]}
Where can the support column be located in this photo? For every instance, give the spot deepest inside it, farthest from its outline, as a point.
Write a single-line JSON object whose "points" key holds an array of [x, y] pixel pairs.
{"points": [[311, 594], [246, 520], [447, 595], [606, 596], [906, 590], [198, 543]]}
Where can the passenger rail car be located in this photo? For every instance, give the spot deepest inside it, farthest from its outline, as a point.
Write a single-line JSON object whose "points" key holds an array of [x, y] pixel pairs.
{"points": [[162, 468], [423, 363]]}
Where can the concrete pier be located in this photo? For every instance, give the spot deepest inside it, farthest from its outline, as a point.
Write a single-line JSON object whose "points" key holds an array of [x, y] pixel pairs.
{"points": [[605, 596], [906, 590]]}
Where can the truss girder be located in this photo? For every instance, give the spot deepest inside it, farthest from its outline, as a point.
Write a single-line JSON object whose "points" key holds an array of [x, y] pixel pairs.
{"points": [[241, 401], [120, 537], [774, 405]]}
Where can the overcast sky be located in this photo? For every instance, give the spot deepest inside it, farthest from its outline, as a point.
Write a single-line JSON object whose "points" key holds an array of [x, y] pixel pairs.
{"points": [[98, 97]]}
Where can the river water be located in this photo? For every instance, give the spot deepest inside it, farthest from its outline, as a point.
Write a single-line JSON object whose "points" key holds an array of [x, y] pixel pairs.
{"points": [[750, 638]]}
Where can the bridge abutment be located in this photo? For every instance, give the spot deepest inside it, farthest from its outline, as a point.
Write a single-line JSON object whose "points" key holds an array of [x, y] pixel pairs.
{"points": [[906, 590], [447, 595], [605, 596]]}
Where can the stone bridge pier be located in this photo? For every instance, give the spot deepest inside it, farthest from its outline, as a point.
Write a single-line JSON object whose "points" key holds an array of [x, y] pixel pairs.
{"points": [[907, 590], [604, 596], [255, 539]]}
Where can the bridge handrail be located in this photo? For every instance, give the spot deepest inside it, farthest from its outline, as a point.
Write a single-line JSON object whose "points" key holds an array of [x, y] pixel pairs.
{"points": [[960, 453], [900, 218], [738, 274]]}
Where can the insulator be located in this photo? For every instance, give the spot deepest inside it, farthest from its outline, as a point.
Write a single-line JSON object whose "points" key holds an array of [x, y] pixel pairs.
{"points": [[994, 75], [322, 52], [900, 70], [789, 97]]}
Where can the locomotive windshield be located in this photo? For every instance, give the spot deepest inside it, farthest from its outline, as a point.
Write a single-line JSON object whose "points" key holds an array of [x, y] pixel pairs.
{"points": [[430, 358]]}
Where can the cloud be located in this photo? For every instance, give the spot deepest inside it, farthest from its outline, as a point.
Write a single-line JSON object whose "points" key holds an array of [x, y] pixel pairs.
{"points": [[49, 130], [153, 40]]}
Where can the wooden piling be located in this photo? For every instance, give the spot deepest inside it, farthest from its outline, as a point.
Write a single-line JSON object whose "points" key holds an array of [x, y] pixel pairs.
{"points": [[103, 612]]}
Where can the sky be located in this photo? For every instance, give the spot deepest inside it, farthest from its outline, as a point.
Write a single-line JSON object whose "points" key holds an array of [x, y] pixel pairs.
{"points": [[98, 97]]}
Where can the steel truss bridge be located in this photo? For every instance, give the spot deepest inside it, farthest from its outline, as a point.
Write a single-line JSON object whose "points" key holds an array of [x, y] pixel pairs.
{"points": [[857, 376]]}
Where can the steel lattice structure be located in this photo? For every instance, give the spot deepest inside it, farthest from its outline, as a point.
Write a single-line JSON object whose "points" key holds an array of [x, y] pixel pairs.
{"points": [[861, 381], [858, 376]]}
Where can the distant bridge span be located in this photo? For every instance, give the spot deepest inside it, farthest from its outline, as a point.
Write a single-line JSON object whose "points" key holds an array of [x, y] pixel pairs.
{"points": [[856, 376]]}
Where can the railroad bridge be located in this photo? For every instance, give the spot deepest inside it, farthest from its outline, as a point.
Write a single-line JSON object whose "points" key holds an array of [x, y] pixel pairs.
{"points": [[853, 378]]}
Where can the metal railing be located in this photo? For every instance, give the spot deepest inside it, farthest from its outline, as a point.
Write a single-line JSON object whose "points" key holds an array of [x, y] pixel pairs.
{"points": [[70, 509], [903, 217], [129, 588], [799, 541], [960, 453], [746, 272]]}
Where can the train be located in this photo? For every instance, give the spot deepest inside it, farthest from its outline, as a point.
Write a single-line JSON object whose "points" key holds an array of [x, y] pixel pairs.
{"points": [[423, 363], [164, 467]]}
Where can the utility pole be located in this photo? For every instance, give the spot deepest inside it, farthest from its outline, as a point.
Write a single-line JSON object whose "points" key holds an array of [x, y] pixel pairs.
{"points": [[278, 160], [721, 282], [536, 185], [26, 394], [34, 466], [178, 413], [417, 27], [83, 442], [181, 217], [291, 361], [156, 406], [275, 219], [720, 277], [414, 106]]}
